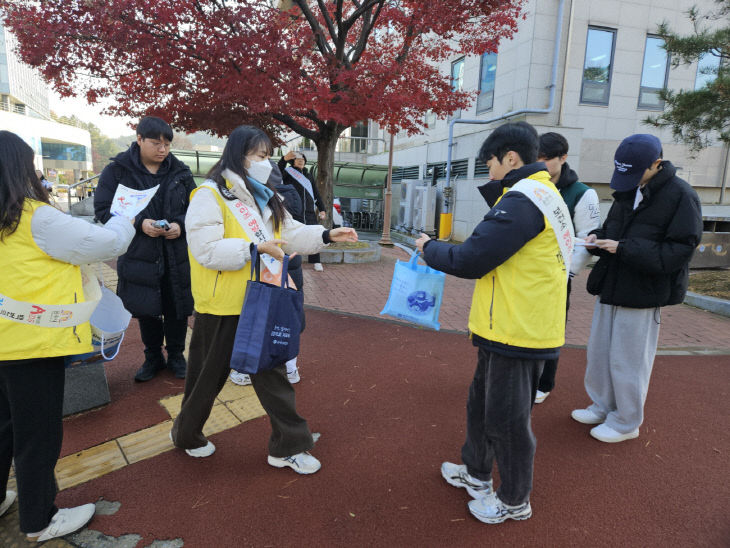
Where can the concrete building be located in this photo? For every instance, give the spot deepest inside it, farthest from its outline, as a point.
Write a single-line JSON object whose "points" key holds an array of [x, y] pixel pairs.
{"points": [[62, 152], [591, 73]]}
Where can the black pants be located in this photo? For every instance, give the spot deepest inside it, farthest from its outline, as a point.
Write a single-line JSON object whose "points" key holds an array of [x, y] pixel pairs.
{"points": [[547, 379], [209, 361], [167, 328], [31, 432], [498, 423], [312, 259]]}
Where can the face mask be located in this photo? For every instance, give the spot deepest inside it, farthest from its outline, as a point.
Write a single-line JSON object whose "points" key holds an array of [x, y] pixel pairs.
{"points": [[260, 170]]}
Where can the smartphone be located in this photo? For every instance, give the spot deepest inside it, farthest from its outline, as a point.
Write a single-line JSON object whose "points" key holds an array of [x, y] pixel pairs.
{"points": [[162, 223]]}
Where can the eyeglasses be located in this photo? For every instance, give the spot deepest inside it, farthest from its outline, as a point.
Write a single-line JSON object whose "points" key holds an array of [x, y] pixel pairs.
{"points": [[159, 145]]}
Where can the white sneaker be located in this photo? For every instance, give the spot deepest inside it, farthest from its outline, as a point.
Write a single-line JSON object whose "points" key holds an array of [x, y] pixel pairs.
{"points": [[318, 267], [540, 396], [65, 522], [200, 452], [605, 433], [490, 509], [301, 463], [241, 379], [456, 475], [587, 416], [10, 497], [293, 376]]}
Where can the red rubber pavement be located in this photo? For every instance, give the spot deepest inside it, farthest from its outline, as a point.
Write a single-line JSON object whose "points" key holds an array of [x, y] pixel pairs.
{"points": [[389, 401]]}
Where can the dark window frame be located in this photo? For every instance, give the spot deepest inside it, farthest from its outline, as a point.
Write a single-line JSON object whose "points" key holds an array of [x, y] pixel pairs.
{"points": [[614, 32], [481, 69], [639, 104]]}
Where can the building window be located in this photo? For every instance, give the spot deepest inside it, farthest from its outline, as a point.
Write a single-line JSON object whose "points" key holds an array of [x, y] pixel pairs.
{"points": [[707, 68], [457, 81], [654, 74], [598, 66], [487, 73]]}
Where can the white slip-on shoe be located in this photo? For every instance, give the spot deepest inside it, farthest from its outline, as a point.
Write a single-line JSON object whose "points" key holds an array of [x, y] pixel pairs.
{"points": [[586, 416], [491, 509], [241, 379], [456, 475], [200, 452], [10, 497], [605, 433], [301, 463], [318, 267], [540, 396], [64, 522]]}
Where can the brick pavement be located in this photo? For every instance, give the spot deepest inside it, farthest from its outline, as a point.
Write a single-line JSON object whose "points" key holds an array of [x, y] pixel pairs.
{"points": [[363, 289]]}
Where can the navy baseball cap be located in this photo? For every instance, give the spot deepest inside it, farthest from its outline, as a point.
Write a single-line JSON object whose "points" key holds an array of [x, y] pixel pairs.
{"points": [[633, 157]]}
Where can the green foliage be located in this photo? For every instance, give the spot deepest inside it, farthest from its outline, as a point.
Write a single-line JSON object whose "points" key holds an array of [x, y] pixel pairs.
{"points": [[698, 117]]}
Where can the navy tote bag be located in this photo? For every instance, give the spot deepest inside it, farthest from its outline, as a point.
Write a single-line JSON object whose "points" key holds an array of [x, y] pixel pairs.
{"points": [[270, 323]]}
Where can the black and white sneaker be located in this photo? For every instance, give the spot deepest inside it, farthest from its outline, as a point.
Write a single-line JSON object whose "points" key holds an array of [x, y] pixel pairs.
{"points": [[456, 475], [301, 463], [491, 509]]}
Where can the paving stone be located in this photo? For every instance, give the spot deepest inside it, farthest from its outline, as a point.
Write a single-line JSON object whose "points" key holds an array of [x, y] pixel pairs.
{"points": [[176, 543], [89, 464], [88, 538], [146, 443]]}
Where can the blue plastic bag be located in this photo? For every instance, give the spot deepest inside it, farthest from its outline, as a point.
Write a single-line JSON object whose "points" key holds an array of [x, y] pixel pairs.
{"points": [[416, 293], [270, 323]]}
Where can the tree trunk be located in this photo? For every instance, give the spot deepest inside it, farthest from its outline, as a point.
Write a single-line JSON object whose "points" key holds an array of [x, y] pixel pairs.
{"points": [[326, 144]]}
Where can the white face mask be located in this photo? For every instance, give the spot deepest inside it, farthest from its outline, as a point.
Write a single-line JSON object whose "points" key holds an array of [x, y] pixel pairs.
{"points": [[260, 170]]}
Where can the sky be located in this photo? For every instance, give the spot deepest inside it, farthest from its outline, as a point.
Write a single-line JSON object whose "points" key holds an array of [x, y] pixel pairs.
{"points": [[111, 126]]}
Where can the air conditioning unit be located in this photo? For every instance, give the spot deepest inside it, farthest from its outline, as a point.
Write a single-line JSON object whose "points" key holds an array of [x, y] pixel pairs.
{"points": [[424, 208], [405, 211]]}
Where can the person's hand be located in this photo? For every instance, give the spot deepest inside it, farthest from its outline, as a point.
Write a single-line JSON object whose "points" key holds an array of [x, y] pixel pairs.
{"points": [[174, 231], [149, 228], [590, 240], [272, 248], [421, 241], [289, 155], [609, 245], [343, 234], [322, 215]]}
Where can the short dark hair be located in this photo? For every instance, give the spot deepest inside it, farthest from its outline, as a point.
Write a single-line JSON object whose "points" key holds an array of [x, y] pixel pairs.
{"points": [[552, 145], [152, 127], [519, 137]]}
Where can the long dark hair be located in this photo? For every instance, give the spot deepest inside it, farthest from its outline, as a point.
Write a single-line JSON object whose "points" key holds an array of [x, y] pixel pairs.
{"points": [[242, 141], [18, 181]]}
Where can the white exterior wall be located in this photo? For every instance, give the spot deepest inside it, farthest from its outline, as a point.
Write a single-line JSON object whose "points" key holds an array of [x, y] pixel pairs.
{"points": [[524, 66], [33, 130]]}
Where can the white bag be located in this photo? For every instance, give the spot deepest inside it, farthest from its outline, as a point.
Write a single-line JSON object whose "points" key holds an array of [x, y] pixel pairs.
{"points": [[109, 322]]}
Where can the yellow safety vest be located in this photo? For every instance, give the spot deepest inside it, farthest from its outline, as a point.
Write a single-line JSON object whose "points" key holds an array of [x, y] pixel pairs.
{"points": [[522, 301], [221, 292], [29, 274]]}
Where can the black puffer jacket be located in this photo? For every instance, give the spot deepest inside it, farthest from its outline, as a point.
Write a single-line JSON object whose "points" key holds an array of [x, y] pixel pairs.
{"points": [[310, 215], [142, 267], [656, 240]]}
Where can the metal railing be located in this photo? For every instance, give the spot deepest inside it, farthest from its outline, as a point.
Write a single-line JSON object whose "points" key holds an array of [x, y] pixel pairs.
{"points": [[69, 188]]}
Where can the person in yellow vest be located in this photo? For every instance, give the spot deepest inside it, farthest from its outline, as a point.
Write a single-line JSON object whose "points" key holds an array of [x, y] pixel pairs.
{"points": [[41, 249], [517, 320], [219, 245]]}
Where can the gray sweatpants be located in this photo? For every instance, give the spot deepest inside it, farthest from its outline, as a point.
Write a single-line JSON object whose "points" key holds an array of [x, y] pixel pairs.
{"points": [[621, 350]]}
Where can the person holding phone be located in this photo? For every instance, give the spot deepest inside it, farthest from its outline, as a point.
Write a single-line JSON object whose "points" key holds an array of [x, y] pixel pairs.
{"points": [[154, 274]]}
